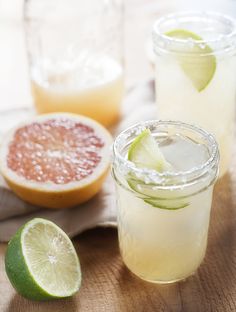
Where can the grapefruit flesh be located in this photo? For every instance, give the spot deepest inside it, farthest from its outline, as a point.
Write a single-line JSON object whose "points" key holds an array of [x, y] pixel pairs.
{"points": [[56, 160]]}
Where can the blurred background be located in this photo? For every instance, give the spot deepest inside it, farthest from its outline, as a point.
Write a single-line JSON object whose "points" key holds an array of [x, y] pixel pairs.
{"points": [[139, 16]]}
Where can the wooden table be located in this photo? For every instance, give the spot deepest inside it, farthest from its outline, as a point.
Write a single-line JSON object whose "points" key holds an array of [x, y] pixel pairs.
{"points": [[109, 286]]}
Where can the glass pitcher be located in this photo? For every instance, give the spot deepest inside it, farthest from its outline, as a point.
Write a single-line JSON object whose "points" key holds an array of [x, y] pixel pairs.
{"points": [[75, 52]]}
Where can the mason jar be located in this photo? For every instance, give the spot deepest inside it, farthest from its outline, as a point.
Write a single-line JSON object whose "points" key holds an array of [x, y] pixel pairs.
{"points": [[196, 73], [75, 51], [163, 218]]}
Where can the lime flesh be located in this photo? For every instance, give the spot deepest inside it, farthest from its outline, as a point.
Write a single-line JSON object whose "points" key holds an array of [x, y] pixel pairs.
{"points": [[144, 152], [41, 262], [199, 63], [150, 196]]}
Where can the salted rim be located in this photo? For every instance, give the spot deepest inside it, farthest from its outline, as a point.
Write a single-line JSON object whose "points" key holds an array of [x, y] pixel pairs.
{"points": [[25, 230], [50, 186], [221, 39], [183, 177]]}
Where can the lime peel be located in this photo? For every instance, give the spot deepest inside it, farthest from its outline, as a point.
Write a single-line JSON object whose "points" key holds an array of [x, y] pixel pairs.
{"points": [[200, 64], [169, 205], [149, 196], [144, 152], [21, 268]]}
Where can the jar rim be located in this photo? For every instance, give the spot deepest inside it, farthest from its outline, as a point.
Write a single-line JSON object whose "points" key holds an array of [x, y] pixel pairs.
{"points": [[220, 43], [166, 177]]}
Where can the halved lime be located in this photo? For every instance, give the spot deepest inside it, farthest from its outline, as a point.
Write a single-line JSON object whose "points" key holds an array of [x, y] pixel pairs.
{"points": [[41, 262], [145, 153], [199, 63]]}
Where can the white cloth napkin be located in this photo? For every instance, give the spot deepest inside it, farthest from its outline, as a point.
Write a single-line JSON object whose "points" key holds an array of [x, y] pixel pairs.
{"points": [[100, 210]]}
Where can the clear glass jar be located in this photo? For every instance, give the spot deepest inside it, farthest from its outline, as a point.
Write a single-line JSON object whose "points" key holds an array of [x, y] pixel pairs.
{"points": [[195, 73], [75, 53], [163, 218]]}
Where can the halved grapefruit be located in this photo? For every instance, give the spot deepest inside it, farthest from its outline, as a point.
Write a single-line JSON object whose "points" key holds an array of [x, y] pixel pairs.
{"points": [[56, 160]]}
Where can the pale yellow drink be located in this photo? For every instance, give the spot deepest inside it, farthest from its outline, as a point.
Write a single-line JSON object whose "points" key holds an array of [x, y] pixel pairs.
{"points": [[195, 74], [163, 218], [94, 89], [213, 108], [75, 51], [161, 245]]}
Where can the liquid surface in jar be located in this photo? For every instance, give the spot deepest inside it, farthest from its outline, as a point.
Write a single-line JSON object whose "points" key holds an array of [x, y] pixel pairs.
{"points": [[91, 86]]}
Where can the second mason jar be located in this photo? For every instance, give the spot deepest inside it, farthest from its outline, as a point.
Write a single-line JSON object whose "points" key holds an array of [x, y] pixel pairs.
{"points": [[195, 73], [163, 218], [75, 53]]}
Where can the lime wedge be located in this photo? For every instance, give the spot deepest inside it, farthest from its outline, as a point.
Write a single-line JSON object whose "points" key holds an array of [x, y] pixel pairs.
{"points": [[145, 153], [168, 205], [200, 64], [41, 262], [149, 195]]}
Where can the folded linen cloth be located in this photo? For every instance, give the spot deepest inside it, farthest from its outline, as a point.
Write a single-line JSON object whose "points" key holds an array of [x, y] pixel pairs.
{"points": [[100, 210]]}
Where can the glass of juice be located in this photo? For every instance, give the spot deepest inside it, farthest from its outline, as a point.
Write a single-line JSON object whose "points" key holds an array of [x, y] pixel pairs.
{"points": [[75, 51], [196, 73], [163, 213]]}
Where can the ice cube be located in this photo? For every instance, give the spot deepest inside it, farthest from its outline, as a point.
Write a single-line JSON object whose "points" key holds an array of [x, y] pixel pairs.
{"points": [[183, 153]]}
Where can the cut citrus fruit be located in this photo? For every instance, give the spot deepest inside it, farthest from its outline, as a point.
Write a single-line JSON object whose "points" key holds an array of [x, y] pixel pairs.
{"points": [[149, 195], [56, 160], [41, 262], [199, 64], [145, 153], [167, 204]]}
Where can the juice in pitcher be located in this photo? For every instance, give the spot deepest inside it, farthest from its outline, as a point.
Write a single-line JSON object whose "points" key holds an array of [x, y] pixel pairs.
{"points": [[75, 52], [94, 89]]}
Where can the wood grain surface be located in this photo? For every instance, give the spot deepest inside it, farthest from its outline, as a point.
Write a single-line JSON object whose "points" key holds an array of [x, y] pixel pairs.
{"points": [[109, 286]]}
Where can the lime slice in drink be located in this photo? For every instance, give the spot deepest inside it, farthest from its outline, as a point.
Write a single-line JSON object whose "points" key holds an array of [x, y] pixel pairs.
{"points": [[167, 204], [199, 63], [41, 262], [150, 196], [145, 153]]}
